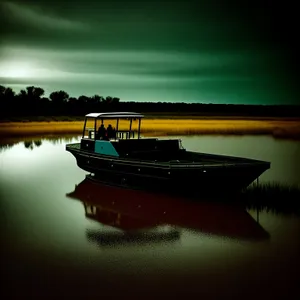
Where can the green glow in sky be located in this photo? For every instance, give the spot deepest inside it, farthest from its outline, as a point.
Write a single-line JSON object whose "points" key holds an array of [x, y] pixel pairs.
{"points": [[186, 51]]}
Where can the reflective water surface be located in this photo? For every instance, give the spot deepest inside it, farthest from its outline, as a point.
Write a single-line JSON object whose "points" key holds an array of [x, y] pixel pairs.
{"points": [[63, 236]]}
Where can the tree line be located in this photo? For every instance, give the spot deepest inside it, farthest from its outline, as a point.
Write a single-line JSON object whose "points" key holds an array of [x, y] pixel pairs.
{"points": [[31, 101]]}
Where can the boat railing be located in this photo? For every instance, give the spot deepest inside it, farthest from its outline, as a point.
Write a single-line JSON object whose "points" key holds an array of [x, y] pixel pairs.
{"points": [[120, 134], [125, 134]]}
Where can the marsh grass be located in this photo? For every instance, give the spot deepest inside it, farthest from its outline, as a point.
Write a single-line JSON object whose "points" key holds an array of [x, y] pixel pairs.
{"points": [[166, 127], [272, 197], [277, 128], [41, 119]]}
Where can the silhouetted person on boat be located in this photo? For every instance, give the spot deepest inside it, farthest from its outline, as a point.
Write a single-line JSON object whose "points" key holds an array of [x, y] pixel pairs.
{"points": [[101, 132], [111, 132]]}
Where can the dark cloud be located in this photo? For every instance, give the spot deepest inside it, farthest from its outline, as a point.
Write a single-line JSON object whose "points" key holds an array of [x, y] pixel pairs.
{"points": [[129, 24], [122, 45]]}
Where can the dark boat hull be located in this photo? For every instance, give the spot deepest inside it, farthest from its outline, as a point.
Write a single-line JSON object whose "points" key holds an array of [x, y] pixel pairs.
{"points": [[191, 177]]}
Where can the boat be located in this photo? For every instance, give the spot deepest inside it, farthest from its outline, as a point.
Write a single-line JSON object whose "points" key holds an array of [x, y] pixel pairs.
{"points": [[138, 215], [121, 155]]}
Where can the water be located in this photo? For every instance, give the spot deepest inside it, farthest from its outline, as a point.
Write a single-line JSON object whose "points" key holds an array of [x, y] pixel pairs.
{"points": [[52, 245]]}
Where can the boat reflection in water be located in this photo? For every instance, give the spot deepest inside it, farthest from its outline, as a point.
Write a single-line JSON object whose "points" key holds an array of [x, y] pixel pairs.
{"points": [[148, 217], [132, 230]]}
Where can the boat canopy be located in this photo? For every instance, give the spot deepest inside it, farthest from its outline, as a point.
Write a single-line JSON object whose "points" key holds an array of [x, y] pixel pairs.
{"points": [[114, 115], [119, 133]]}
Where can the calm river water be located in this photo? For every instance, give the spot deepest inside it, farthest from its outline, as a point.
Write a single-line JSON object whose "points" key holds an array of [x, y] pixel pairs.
{"points": [[63, 237]]}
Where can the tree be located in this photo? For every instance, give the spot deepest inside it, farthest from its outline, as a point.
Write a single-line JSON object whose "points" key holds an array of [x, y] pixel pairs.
{"points": [[72, 100], [115, 100], [59, 97], [111, 100], [6, 93], [96, 99], [108, 99], [2, 90], [7, 96], [83, 99], [34, 93], [28, 100]]}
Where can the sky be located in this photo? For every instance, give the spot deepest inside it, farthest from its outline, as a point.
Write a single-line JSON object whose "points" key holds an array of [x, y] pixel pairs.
{"points": [[175, 51]]}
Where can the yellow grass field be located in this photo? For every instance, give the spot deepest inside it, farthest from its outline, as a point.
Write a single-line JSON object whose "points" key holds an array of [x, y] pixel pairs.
{"points": [[159, 127]]}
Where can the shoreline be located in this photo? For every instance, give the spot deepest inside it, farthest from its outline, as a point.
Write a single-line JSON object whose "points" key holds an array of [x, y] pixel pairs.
{"points": [[278, 128]]}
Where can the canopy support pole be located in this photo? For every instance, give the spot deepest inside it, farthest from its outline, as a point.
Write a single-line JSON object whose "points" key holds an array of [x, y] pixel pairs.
{"points": [[139, 130]]}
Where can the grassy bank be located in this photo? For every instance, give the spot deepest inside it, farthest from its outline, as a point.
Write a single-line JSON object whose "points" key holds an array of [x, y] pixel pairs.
{"points": [[273, 197], [281, 128]]}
